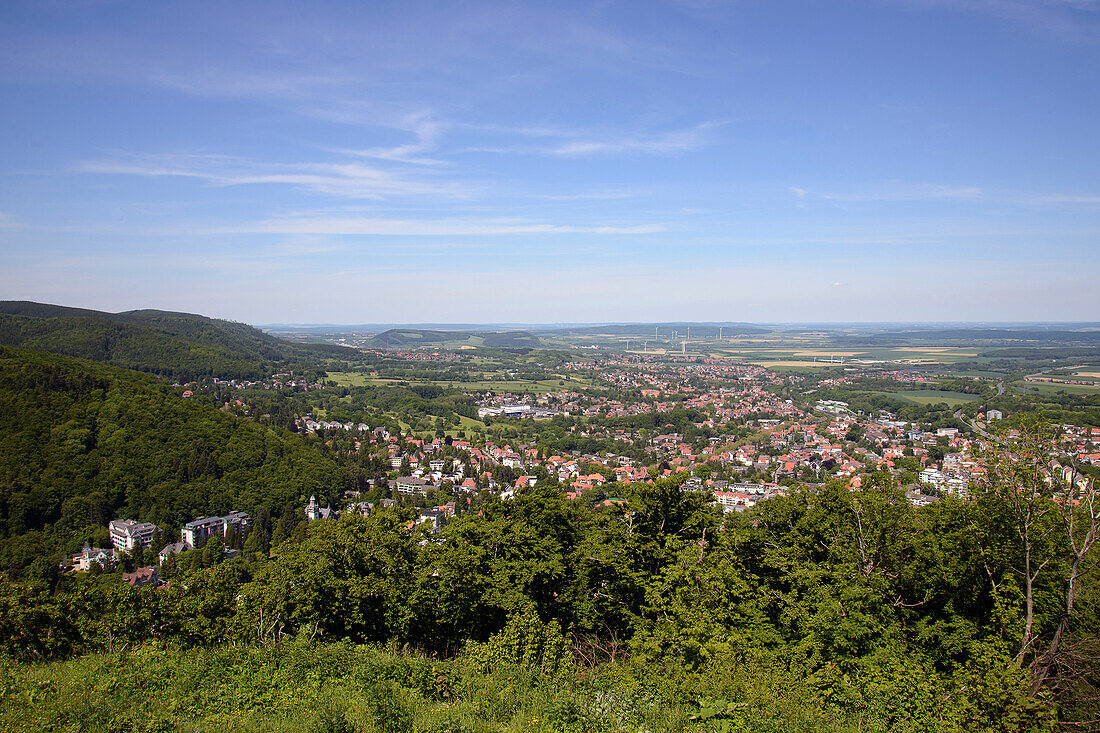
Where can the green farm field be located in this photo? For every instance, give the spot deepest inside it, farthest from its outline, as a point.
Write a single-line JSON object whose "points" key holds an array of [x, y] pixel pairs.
{"points": [[890, 356], [932, 397], [793, 366], [1049, 388], [351, 379], [1090, 373]]}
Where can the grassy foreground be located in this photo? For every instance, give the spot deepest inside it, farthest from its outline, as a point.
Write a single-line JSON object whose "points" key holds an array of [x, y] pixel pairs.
{"points": [[344, 687]]}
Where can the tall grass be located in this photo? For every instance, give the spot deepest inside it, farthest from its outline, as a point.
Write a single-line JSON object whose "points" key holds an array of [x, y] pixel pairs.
{"points": [[346, 688]]}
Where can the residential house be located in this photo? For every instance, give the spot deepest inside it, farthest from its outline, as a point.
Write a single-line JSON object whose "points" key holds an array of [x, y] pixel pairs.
{"points": [[435, 516], [174, 548], [362, 507], [105, 557], [142, 577], [316, 511]]}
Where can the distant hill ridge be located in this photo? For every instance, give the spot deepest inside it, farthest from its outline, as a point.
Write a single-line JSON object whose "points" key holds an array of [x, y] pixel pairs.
{"points": [[976, 337], [175, 345], [638, 330], [412, 337]]}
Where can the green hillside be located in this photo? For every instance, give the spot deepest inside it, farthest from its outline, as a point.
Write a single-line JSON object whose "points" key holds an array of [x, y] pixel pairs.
{"points": [[85, 443], [175, 345]]}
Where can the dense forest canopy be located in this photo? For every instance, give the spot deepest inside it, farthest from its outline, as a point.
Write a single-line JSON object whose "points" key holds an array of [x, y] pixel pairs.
{"points": [[89, 443], [179, 346]]}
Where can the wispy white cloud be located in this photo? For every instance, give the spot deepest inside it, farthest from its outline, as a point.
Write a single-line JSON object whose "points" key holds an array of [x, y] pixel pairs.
{"points": [[427, 131], [666, 143], [7, 221], [429, 228], [329, 94], [351, 180], [253, 84], [894, 191], [574, 143], [302, 248]]}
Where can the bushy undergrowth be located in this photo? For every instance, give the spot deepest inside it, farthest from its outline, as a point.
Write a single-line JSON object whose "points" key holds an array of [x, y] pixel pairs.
{"points": [[343, 688]]}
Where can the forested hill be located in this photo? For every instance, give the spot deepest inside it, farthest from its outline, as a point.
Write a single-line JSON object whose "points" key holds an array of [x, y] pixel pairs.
{"points": [[85, 443], [175, 345]]}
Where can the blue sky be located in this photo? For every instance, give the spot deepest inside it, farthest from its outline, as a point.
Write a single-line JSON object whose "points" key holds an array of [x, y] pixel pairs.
{"points": [[544, 162]]}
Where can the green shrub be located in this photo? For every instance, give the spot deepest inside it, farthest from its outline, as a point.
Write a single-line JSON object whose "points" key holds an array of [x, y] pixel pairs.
{"points": [[526, 641]]}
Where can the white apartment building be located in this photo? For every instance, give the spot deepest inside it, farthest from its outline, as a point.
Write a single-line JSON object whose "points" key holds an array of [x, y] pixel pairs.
{"points": [[126, 534]]}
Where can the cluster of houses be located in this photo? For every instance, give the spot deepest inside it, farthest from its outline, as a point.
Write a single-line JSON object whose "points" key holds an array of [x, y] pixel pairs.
{"points": [[808, 443], [126, 535], [796, 440], [801, 442], [107, 558]]}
